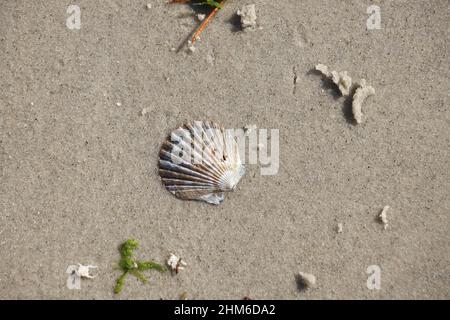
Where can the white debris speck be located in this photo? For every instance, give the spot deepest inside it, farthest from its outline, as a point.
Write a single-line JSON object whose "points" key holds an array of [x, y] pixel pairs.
{"points": [[190, 46], [383, 216], [145, 111], [83, 271], [119, 104], [148, 6], [306, 280], [248, 16], [340, 227], [360, 95], [184, 296], [201, 16], [175, 264], [341, 79]]}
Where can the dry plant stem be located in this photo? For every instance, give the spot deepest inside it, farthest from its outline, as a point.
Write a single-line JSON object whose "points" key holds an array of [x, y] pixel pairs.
{"points": [[204, 25], [204, 22]]}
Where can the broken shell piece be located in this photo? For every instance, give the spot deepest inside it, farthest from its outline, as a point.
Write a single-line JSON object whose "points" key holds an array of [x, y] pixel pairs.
{"points": [[83, 271], [340, 227], [341, 79], [144, 111], [190, 46], [175, 264], [305, 280], [362, 93], [248, 16], [383, 216], [184, 296], [323, 69], [200, 161], [201, 16]]}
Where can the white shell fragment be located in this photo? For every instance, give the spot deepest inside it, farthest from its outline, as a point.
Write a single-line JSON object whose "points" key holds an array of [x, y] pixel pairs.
{"points": [[383, 217], [323, 69], [190, 47], [344, 83], [306, 280], [145, 111], [360, 95], [83, 271], [248, 16], [341, 79], [340, 227], [200, 161], [175, 264]]}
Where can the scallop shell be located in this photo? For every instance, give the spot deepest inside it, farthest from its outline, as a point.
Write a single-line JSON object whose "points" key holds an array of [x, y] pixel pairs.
{"points": [[200, 161]]}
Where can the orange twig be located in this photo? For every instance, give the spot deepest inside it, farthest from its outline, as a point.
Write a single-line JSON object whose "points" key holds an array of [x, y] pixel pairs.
{"points": [[204, 25]]}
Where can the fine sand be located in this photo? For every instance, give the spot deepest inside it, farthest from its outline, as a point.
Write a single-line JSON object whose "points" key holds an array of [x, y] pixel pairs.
{"points": [[78, 160]]}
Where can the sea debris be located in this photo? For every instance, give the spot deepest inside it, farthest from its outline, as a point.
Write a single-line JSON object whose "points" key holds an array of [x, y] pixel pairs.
{"points": [[362, 93], [176, 264], [83, 271], [383, 217], [248, 16], [305, 280], [340, 227], [200, 161], [341, 79], [129, 265], [145, 111], [215, 5], [184, 296], [190, 46]]}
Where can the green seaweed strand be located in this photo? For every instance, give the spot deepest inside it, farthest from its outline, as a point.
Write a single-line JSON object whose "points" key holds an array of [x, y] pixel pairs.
{"points": [[212, 3], [129, 265]]}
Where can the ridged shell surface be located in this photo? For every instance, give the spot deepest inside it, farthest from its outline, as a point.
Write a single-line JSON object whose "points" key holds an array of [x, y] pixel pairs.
{"points": [[200, 161]]}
